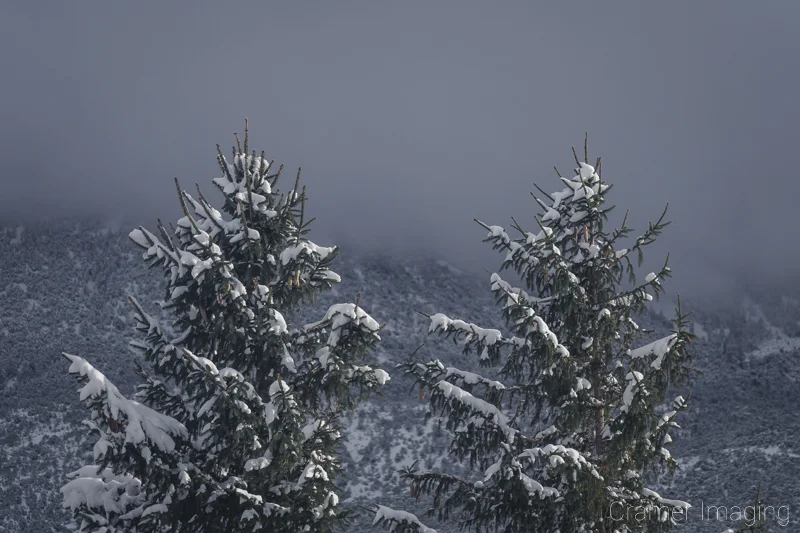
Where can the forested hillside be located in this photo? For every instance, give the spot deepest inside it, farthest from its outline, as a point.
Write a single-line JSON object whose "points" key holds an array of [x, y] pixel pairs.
{"points": [[65, 287]]}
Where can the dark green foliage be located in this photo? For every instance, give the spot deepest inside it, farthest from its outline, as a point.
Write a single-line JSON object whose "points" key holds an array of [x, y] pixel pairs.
{"points": [[569, 426], [243, 431]]}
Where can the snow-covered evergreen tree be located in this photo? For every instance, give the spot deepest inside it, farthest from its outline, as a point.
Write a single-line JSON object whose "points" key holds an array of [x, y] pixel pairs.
{"points": [[235, 425], [567, 432]]}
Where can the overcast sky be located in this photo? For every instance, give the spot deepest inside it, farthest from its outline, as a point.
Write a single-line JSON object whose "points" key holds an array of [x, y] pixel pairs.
{"points": [[411, 118]]}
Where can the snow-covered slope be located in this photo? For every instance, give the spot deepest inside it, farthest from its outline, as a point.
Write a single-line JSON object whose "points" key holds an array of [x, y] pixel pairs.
{"points": [[65, 286]]}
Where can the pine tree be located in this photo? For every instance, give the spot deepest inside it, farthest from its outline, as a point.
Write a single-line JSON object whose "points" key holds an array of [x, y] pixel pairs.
{"points": [[754, 518], [569, 430], [234, 427]]}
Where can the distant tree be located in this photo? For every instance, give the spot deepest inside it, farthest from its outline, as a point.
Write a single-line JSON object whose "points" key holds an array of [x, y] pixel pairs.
{"points": [[567, 431], [235, 426], [755, 519]]}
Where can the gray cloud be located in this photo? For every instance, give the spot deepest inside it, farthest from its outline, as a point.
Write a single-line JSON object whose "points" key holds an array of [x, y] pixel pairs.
{"points": [[410, 119]]}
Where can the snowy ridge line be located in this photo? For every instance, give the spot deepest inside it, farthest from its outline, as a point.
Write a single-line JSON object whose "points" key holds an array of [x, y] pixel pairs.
{"points": [[769, 451], [780, 342]]}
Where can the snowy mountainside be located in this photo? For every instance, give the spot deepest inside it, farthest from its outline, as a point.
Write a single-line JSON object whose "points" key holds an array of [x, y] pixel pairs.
{"points": [[65, 289]]}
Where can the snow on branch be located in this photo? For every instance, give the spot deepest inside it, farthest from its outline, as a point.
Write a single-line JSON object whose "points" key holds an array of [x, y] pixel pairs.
{"points": [[154, 248], [520, 298], [210, 214], [443, 323], [431, 373], [514, 471], [100, 490], [291, 253], [635, 386], [658, 348], [490, 413], [664, 501], [142, 423], [470, 378], [558, 454], [492, 339], [516, 295], [341, 315], [399, 521]]}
